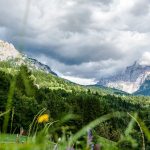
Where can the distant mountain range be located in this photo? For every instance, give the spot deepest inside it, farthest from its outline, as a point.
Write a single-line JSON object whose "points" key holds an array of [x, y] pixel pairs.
{"points": [[132, 80], [9, 53], [135, 79]]}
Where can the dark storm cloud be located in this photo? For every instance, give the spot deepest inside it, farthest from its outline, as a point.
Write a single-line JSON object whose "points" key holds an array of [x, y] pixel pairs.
{"points": [[77, 53], [82, 38], [78, 20]]}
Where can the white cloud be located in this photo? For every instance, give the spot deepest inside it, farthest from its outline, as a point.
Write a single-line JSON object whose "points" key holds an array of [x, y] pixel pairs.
{"points": [[80, 38], [145, 60], [81, 81]]}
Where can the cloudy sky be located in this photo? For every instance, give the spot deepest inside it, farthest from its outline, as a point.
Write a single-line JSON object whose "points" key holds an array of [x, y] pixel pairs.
{"points": [[82, 40]]}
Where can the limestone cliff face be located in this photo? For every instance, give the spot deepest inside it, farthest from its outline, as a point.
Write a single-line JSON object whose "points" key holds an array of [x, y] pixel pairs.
{"points": [[8, 51], [129, 80]]}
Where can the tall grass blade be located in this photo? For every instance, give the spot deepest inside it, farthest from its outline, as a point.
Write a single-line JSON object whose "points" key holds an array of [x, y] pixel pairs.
{"points": [[9, 103], [93, 124]]}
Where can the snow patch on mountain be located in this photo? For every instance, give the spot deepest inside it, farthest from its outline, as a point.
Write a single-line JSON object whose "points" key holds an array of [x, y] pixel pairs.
{"points": [[145, 59]]}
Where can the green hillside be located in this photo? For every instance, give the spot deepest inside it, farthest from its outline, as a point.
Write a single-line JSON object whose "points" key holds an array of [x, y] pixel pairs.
{"points": [[106, 90], [42, 79], [25, 92]]}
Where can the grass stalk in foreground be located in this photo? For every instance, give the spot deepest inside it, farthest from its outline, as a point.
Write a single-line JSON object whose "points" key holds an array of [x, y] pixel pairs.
{"points": [[9, 103]]}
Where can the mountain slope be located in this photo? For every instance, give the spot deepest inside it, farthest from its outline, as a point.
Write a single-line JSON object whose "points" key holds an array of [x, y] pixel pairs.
{"points": [[144, 88], [107, 90], [11, 60], [129, 80], [9, 53], [132, 80], [35, 64], [42, 75]]}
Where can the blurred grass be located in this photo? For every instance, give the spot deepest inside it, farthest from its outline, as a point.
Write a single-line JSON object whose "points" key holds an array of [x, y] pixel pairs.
{"points": [[11, 138], [9, 104]]}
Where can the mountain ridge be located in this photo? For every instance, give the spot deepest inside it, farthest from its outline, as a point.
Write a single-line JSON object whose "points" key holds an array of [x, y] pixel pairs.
{"points": [[129, 80], [9, 52], [133, 79]]}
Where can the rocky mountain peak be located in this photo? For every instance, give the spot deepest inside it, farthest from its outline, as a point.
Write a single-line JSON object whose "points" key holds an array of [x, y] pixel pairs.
{"points": [[129, 80], [8, 51]]}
